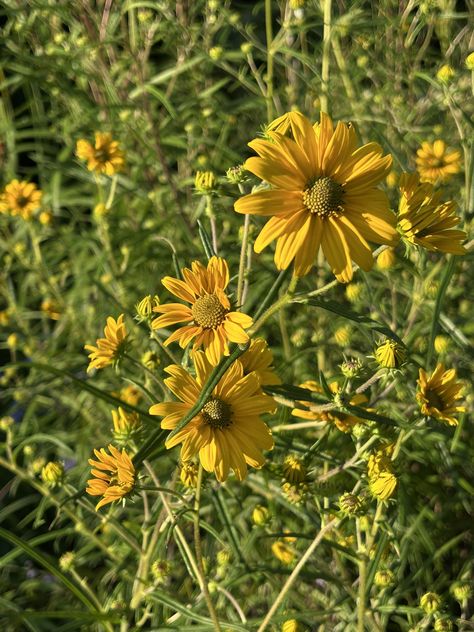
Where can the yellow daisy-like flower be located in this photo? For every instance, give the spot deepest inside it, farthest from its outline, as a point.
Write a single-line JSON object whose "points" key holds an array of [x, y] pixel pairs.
{"points": [[424, 220], [228, 432], [105, 156], [209, 319], [438, 394], [435, 163], [283, 552], [389, 354], [20, 198], [323, 195], [382, 479], [110, 348], [114, 475], [259, 359], [343, 421]]}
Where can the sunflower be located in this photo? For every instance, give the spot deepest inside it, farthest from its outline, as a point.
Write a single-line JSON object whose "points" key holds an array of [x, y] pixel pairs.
{"points": [[425, 221], [259, 358], [110, 348], [435, 163], [437, 394], [228, 432], [20, 198], [323, 194], [209, 319], [114, 476], [343, 421], [105, 156]]}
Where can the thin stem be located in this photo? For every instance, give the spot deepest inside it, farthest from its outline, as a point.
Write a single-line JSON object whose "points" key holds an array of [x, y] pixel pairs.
{"points": [[296, 571], [325, 59], [269, 78], [113, 188], [198, 549], [282, 301], [243, 253]]}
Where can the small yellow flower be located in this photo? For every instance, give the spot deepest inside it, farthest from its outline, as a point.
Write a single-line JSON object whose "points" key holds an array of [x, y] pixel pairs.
{"points": [[295, 493], [20, 198], [283, 552], [445, 73], [12, 341], [114, 476], [342, 335], [67, 561], [216, 52], [390, 354], [294, 470], [50, 307], [438, 394], [129, 394], [354, 291], [4, 318], [430, 602], [260, 515], [291, 625], [425, 221], [469, 61], [105, 156], [110, 348], [52, 473], [386, 259], [126, 425], [383, 578], [204, 181], [189, 474], [435, 163], [441, 344], [45, 218]]}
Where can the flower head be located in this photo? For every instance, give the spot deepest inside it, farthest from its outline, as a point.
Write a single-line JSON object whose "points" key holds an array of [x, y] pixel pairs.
{"points": [[114, 475], [323, 195], [435, 163], [430, 602], [126, 426], [425, 221], [110, 348], [283, 552], [105, 156], [189, 474], [438, 394], [390, 354], [52, 473], [20, 198], [209, 319], [205, 182], [294, 469], [382, 479], [228, 432]]}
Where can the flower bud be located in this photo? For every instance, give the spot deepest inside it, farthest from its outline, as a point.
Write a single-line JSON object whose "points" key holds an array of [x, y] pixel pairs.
{"points": [[461, 591], [469, 61], [6, 423], [443, 624], [354, 291], [383, 578], [188, 474], [144, 309], [67, 561], [389, 354], [283, 552], [445, 73], [441, 344], [260, 515], [342, 336], [294, 470], [204, 182], [386, 259], [236, 175], [52, 474], [350, 504], [127, 426], [151, 360], [291, 625], [351, 368], [430, 602]]}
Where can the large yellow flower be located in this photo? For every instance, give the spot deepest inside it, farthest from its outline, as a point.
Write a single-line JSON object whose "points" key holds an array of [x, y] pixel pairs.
{"points": [[424, 220], [20, 198], [110, 348], [209, 319], [323, 194], [228, 432], [435, 163], [114, 476], [105, 156], [438, 394]]}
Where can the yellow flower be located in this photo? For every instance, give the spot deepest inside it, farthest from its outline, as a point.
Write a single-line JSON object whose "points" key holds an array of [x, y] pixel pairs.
{"points": [[382, 480], [129, 394], [228, 432], [259, 359], [291, 625], [283, 552], [260, 515], [386, 259], [445, 73], [390, 354], [144, 308], [425, 221], [108, 349], [343, 421], [437, 394], [435, 163], [114, 475], [105, 156], [188, 474], [323, 194], [431, 602], [20, 198], [52, 473], [441, 344], [209, 319], [294, 469], [51, 308], [469, 61], [204, 181]]}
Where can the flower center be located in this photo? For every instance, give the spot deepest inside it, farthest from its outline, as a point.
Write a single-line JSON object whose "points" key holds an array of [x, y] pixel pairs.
{"points": [[208, 311], [22, 200], [434, 400], [102, 155], [217, 413], [323, 197]]}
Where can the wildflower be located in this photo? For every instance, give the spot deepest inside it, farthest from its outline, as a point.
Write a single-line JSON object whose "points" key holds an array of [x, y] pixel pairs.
{"points": [[188, 474], [105, 156], [445, 73], [389, 354], [298, 337], [259, 359], [382, 480], [295, 493], [223, 558], [435, 163], [144, 308], [283, 552], [342, 335], [129, 394], [216, 52], [20, 198], [51, 308], [114, 476], [350, 504], [386, 259], [469, 61], [260, 515], [67, 561], [291, 625], [100, 210], [246, 48], [430, 602], [351, 368], [441, 344], [45, 218], [204, 181], [383, 578], [461, 591], [209, 319], [151, 360], [160, 569], [228, 432], [353, 291], [424, 221], [437, 394], [294, 470], [110, 348], [52, 474], [324, 195], [443, 624], [127, 426]]}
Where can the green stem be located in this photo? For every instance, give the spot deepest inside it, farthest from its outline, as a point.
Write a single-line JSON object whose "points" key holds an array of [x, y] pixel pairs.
{"points": [[113, 188], [269, 78], [243, 253], [282, 301], [325, 58]]}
